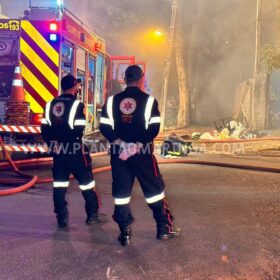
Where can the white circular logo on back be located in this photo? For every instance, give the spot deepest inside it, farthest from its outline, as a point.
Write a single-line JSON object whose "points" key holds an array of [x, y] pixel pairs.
{"points": [[58, 109], [128, 106]]}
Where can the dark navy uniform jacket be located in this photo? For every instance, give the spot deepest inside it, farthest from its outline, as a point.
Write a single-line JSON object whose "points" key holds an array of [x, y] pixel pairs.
{"points": [[131, 115], [64, 120]]}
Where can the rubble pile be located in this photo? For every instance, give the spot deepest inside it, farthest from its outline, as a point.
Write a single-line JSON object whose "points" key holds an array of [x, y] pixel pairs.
{"points": [[233, 129]]}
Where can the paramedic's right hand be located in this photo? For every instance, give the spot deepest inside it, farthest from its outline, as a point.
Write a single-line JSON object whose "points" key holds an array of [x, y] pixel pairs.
{"points": [[128, 150], [55, 147]]}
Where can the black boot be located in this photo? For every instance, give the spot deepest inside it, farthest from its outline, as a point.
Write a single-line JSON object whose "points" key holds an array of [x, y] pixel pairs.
{"points": [[62, 219], [60, 207], [125, 235], [96, 219], [91, 207], [167, 231]]}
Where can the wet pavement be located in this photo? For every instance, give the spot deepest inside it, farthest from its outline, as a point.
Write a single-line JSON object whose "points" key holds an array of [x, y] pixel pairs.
{"points": [[230, 222]]}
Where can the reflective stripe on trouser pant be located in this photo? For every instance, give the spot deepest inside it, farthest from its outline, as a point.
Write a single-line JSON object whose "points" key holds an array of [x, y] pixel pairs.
{"points": [[122, 214], [60, 184]]}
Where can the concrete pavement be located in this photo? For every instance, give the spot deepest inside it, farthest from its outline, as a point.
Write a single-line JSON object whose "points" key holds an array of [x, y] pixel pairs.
{"points": [[230, 220]]}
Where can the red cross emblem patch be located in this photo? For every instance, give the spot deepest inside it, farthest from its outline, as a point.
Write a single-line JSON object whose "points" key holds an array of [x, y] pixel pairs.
{"points": [[58, 109], [128, 106]]}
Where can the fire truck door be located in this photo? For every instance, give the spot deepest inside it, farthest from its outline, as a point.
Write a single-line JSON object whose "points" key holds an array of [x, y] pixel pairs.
{"points": [[82, 90]]}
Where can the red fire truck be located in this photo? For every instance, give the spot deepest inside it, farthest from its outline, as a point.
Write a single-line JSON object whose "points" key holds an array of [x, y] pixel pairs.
{"points": [[48, 43]]}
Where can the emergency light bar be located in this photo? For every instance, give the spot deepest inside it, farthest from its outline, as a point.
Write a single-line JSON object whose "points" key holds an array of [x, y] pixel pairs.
{"points": [[53, 28]]}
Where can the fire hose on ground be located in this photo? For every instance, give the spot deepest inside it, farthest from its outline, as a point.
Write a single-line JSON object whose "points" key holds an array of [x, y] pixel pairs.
{"points": [[33, 180], [26, 185]]}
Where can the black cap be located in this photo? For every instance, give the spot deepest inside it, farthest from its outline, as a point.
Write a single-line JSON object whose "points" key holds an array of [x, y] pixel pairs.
{"points": [[69, 81], [133, 73]]}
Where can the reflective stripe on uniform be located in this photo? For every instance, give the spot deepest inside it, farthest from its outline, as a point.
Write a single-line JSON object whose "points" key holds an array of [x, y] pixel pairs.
{"points": [[105, 121], [61, 184], [148, 110], [122, 201], [44, 121], [47, 113], [110, 110], [80, 122], [155, 198], [154, 120], [73, 113], [88, 186]]}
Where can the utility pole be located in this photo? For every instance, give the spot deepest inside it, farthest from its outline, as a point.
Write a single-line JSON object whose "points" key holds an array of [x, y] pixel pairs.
{"points": [[183, 119], [257, 61], [167, 64]]}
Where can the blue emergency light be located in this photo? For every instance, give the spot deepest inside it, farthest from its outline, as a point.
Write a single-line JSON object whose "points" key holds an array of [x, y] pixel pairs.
{"points": [[53, 37]]}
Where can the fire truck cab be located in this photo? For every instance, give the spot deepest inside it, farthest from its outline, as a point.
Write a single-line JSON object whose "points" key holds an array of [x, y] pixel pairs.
{"points": [[49, 43]]}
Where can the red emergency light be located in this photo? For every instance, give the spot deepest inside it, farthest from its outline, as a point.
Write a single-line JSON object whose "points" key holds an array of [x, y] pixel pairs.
{"points": [[53, 26]]}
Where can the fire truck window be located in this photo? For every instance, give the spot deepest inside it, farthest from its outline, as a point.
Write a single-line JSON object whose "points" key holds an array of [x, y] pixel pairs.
{"points": [[91, 84], [99, 85], [90, 106], [67, 60], [90, 91], [91, 68], [81, 59]]}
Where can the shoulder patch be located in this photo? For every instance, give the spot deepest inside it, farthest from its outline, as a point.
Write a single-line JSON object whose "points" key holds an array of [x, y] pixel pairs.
{"points": [[128, 106], [58, 109]]}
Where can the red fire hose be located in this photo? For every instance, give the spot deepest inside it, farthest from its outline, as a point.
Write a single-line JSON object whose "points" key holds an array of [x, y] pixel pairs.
{"points": [[38, 161], [31, 179], [35, 180]]}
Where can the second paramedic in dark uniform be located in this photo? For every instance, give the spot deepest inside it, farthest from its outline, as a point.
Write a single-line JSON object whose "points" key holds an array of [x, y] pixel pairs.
{"points": [[62, 129], [130, 121]]}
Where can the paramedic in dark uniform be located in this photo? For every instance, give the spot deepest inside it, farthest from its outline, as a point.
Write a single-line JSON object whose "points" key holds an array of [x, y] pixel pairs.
{"points": [[130, 121], [62, 129]]}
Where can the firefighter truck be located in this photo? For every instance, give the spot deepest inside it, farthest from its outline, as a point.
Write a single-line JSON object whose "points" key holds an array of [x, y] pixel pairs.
{"points": [[44, 45]]}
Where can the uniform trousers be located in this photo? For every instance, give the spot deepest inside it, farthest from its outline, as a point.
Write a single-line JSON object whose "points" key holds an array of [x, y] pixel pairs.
{"points": [[144, 167], [79, 164]]}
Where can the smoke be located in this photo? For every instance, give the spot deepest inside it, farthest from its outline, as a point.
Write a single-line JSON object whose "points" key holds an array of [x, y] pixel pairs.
{"points": [[126, 26], [220, 46], [219, 43], [13, 9]]}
